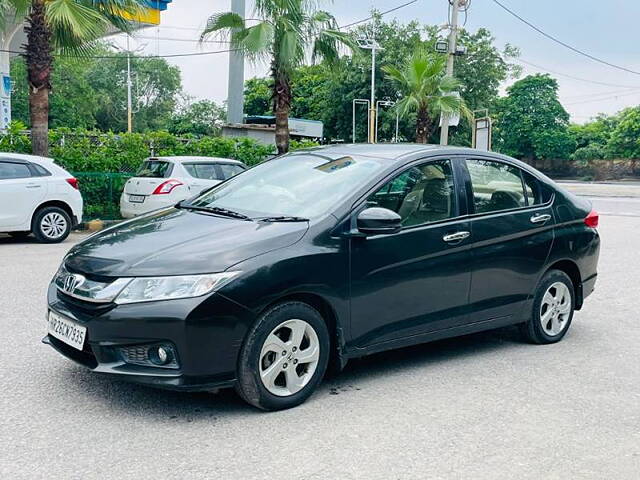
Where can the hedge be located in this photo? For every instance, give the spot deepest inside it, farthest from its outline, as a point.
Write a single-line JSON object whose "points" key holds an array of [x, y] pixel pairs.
{"points": [[104, 161]]}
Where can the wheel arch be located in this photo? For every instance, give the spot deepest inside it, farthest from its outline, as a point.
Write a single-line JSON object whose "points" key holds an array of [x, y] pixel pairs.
{"points": [[337, 359], [573, 272], [53, 203]]}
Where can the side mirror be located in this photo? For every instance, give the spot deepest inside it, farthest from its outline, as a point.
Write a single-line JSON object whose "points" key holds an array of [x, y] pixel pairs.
{"points": [[379, 221]]}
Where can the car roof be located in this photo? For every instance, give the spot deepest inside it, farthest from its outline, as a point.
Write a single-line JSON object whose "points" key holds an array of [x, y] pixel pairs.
{"points": [[190, 159], [27, 158]]}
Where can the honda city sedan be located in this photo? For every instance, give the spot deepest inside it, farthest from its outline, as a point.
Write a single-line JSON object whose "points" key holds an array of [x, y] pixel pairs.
{"points": [[320, 256]]}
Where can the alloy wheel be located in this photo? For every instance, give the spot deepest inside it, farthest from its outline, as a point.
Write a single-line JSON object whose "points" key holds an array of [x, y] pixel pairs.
{"points": [[555, 309], [289, 357], [53, 225]]}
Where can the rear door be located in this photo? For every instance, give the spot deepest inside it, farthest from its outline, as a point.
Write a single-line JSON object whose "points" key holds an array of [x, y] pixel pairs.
{"points": [[20, 193], [417, 280], [204, 175], [512, 231]]}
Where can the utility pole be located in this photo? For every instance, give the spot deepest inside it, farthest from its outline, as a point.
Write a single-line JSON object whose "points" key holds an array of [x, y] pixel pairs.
{"points": [[235, 96], [453, 37], [129, 95], [371, 44]]}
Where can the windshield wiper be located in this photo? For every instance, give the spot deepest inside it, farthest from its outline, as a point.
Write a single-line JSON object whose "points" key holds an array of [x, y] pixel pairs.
{"points": [[283, 218], [215, 210]]}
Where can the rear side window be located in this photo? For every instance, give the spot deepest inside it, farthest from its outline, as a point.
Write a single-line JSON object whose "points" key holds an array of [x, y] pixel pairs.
{"points": [[229, 170], [10, 170], [537, 193], [205, 171], [39, 170], [155, 169], [496, 186]]}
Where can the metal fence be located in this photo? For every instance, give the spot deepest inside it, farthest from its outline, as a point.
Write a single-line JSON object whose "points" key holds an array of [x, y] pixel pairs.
{"points": [[101, 193]]}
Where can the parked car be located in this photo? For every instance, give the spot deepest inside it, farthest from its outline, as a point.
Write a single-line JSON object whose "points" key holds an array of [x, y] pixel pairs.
{"points": [[37, 196], [164, 181], [325, 254]]}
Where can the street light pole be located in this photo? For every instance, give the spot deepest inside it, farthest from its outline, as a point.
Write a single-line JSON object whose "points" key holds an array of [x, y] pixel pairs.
{"points": [[453, 37], [235, 97], [371, 44], [129, 94]]}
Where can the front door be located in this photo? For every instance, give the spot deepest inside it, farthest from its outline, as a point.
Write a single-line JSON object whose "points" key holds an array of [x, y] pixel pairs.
{"points": [[512, 234], [417, 280]]}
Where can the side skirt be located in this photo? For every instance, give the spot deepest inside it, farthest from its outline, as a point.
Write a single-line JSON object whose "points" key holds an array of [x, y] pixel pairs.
{"points": [[433, 336]]}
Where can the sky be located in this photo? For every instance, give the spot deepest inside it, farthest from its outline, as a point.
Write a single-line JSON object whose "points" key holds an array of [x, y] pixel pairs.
{"points": [[607, 30]]}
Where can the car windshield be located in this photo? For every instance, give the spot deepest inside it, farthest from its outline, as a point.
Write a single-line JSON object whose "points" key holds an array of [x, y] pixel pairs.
{"points": [[300, 185]]}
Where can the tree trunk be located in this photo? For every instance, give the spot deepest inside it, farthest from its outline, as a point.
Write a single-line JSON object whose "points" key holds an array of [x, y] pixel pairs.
{"points": [[39, 65], [281, 107], [424, 129]]}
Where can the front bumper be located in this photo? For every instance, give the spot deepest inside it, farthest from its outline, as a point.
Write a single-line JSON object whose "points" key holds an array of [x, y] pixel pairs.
{"points": [[207, 334]]}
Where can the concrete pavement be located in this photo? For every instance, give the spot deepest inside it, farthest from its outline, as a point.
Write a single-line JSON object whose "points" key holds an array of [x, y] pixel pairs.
{"points": [[485, 406]]}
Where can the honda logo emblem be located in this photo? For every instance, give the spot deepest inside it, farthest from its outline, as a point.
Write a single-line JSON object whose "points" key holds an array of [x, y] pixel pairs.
{"points": [[72, 281]]}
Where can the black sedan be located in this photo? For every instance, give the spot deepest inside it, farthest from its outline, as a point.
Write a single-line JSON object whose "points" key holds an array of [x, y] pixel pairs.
{"points": [[319, 256]]}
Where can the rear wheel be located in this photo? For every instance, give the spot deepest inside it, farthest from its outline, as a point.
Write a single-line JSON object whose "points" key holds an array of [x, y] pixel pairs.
{"points": [[284, 357], [51, 225], [553, 308]]}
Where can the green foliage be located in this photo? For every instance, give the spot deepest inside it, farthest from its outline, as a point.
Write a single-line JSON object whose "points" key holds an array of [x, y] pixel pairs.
{"points": [[103, 161], [530, 121], [203, 117], [624, 141], [92, 93], [593, 151], [321, 93]]}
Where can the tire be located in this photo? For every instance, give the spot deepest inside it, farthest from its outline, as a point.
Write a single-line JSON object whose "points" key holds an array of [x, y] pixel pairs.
{"points": [[288, 379], [51, 225], [553, 308], [19, 235]]}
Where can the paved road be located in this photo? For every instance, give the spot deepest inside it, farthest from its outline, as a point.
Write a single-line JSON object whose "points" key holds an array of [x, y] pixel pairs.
{"points": [[485, 406]]}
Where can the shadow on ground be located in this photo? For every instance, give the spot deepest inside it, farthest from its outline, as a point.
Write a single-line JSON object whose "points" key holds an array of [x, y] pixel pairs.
{"points": [[139, 400]]}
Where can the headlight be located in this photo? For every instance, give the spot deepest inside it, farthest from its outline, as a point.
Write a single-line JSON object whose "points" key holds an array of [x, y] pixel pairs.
{"points": [[148, 289]]}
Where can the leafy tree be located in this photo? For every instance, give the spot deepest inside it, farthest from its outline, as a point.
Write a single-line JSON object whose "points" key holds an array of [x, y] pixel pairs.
{"points": [[68, 27], [284, 32], [198, 118], [625, 138], [101, 86], [156, 86], [530, 121], [425, 89], [329, 93]]}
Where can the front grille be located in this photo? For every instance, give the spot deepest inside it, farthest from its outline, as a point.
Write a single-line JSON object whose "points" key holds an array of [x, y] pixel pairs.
{"points": [[141, 355], [136, 354], [86, 307]]}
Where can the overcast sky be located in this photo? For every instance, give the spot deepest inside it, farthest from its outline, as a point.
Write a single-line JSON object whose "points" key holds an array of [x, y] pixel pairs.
{"points": [[594, 26]]}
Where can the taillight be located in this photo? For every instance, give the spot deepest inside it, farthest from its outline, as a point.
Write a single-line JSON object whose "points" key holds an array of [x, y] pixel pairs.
{"points": [[592, 219], [73, 182], [166, 187]]}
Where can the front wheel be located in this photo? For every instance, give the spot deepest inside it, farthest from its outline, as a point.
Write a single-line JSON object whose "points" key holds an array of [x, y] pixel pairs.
{"points": [[284, 357], [553, 308]]}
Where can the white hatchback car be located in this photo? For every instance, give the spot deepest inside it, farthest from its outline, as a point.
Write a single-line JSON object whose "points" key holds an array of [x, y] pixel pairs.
{"points": [[164, 181], [37, 196]]}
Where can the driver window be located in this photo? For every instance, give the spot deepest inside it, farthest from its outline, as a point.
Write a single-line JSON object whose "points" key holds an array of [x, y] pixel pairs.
{"points": [[422, 194]]}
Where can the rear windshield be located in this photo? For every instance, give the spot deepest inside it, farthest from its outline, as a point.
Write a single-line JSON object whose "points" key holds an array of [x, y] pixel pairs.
{"points": [[155, 169]]}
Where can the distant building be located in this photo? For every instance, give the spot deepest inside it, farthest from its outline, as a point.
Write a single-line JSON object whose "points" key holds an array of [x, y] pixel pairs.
{"points": [[263, 129]]}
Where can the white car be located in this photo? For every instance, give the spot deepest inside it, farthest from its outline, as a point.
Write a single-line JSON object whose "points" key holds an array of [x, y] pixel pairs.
{"points": [[37, 196], [164, 181]]}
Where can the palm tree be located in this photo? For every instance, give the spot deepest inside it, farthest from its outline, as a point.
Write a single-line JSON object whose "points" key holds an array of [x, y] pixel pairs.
{"points": [[69, 27], [285, 32], [426, 90]]}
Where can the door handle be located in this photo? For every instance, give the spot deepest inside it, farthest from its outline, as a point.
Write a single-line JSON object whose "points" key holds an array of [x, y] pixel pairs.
{"points": [[456, 237], [32, 185], [544, 218]]}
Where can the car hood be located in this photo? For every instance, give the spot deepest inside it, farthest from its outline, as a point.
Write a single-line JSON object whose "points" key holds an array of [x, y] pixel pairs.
{"points": [[179, 242]]}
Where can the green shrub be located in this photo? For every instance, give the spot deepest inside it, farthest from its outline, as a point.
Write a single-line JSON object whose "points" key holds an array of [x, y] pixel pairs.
{"points": [[104, 161], [593, 151]]}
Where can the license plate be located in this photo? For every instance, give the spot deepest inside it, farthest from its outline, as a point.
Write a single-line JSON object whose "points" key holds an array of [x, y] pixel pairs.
{"points": [[66, 330], [136, 198]]}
